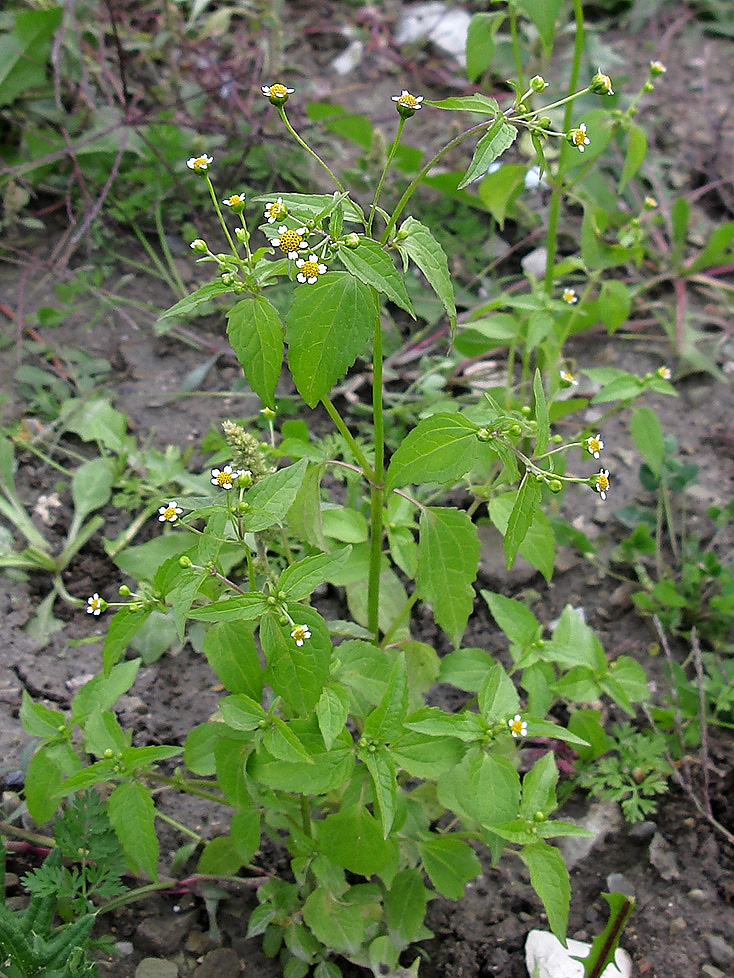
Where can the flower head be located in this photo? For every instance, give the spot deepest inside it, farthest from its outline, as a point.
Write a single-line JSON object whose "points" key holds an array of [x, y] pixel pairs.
{"points": [[96, 605], [290, 240], [518, 726], [169, 513], [224, 478], [199, 164], [236, 202], [407, 104], [310, 270], [275, 211], [601, 482], [594, 445], [664, 373], [601, 84], [301, 634], [570, 296], [567, 379], [657, 68], [277, 94], [578, 137], [650, 203]]}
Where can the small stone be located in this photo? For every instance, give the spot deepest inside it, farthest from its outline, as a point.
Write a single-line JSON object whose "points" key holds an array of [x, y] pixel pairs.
{"points": [[721, 952], [643, 831], [124, 948], [156, 968], [221, 963], [163, 935], [710, 971], [534, 263], [618, 883], [663, 858], [697, 895], [677, 926]]}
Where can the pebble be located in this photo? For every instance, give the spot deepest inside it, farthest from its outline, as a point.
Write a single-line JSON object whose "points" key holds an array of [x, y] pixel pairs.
{"points": [[709, 971], [445, 26], [163, 935], [721, 952], [677, 926], [124, 948], [156, 968], [221, 963], [663, 858], [618, 883], [697, 895]]}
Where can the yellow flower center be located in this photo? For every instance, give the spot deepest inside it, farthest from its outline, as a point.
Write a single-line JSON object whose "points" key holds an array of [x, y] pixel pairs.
{"points": [[224, 479], [603, 483], [299, 634], [201, 163], [516, 727], [290, 241], [279, 91], [310, 269], [579, 137], [275, 210], [594, 445], [170, 512], [408, 100]]}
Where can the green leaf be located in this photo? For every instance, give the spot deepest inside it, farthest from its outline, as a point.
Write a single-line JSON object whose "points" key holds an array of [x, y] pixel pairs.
{"points": [[283, 744], [297, 674], [230, 649], [40, 721], [441, 448], [299, 580], [468, 103], [125, 623], [220, 857], [635, 156], [575, 644], [423, 755], [498, 699], [50, 766], [230, 758], [466, 668], [256, 334], [539, 787], [132, 816], [614, 304], [372, 265], [199, 749], [541, 415], [499, 137], [312, 206], [327, 771], [241, 712], [604, 948], [385, 722], [187, 305], [353, 839], [544, 728], [240, 607], [329, 324], [626, 683], [523, 510], [480, 43], [272, 497], [104, 690], [517, 621], [538, 545], [417, 241], [91, 487], [341, 924], [24, 52], [499, 190], [331, 711], [384, 785], [647, 433], [405, 906], [549, 879], [544, 14], [483, 788], [448, 556], [450, 864]]}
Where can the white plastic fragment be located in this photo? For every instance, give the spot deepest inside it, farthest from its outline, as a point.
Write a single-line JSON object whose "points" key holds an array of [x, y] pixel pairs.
{"points": [[348, 60], [445, 26], [546, 957]]}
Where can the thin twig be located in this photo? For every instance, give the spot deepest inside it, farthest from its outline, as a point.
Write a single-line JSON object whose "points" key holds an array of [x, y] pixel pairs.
{"points": [[698, 663]]}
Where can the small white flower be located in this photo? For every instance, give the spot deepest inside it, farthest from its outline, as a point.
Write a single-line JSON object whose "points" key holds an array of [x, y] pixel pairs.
{"points": [[169, 513], [518, 726], [199, 164], [95, 605], [594, 445], [310, 270], [301, 634]]}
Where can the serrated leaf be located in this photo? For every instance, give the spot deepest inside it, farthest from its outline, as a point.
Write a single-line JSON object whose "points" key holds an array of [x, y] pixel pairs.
{"points": [[299, 580], [283, 744], [517, 621], [272, 497], [331, 712], [647, 433], [539, 787], [239, 607], [544, 14], [103, 690], [480, 43], [341, 923], [255, 331], [419, 244], [498, 699], [523, 510], [220, 857], [298, 674], [448, 556], [372, 265], [468, 103], [442, 448], [549, 879], [132, 816], [187, 305], [498, 138], [230, 649], [123, 626], [241, 712], [386, 720], [405, 905], [329, 324], [384, 785], [25, 51], [450, 864], [353, 839]]}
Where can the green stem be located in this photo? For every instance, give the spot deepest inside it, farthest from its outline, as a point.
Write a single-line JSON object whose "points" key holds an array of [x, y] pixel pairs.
{"points": [[388, 164], [304, 145], [407, 608], [554, 209], [377, 492], [516, 48], [223, 223], [348, 438], [410, 189]]}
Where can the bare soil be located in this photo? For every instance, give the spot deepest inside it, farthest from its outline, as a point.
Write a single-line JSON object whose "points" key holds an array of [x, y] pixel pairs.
{"points": [[684, 921]]}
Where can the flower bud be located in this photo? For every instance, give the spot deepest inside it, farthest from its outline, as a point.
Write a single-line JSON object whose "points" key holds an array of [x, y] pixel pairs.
{"points": [[199, 246], [555, 485], [657, 68], [601, 84], [538, 83], [124, 591], [184, 561], [351, 240]]}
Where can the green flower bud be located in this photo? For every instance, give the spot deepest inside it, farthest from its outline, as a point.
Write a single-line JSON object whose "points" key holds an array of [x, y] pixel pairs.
{"points": [[556, 439], [601, 84], [199, 246], [124, 591], [184, 561], [538, 83], [352, 240], [555, 485]]}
